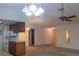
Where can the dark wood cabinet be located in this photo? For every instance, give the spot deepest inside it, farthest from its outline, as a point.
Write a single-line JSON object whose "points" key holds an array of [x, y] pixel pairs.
{"points": [[17, 48], [17, 27]]}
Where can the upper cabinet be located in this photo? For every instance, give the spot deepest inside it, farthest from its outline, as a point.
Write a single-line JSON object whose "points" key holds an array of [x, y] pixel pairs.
{"points": [[17, 27]]}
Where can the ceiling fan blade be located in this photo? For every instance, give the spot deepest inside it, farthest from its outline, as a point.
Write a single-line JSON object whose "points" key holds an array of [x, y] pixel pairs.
{"points": [[73, 16], [66, 19]]}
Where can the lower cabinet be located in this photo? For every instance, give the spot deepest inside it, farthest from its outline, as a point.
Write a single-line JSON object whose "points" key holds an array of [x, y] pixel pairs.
{"points": [[17, 48]]}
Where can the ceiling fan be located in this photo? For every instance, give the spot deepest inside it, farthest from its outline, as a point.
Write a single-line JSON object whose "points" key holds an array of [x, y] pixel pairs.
{"points": [[64, 18]]}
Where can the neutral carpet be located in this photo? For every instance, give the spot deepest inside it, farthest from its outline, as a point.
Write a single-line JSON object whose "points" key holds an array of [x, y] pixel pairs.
{"points": [[46, 51], [51, 51]]}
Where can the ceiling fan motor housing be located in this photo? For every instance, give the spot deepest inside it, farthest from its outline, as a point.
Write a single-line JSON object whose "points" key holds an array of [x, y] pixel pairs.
{"points": [[62, 18]]}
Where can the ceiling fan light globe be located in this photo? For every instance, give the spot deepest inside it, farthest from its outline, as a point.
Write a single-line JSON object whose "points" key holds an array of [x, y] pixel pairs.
{"points": [[40, 10], [28, 14], [37, 14], [33, 8], [25, 9]]}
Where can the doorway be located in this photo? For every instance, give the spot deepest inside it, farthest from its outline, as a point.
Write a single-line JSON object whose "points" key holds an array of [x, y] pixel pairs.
{"points": [[31, 37]]}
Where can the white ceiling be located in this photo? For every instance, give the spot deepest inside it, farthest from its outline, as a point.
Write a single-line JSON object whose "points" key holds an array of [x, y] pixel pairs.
{"points": [[8, 21], [49, 18]]}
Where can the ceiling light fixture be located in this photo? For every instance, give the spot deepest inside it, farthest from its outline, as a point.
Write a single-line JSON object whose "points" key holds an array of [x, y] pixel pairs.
{"points": [[33, 10]]}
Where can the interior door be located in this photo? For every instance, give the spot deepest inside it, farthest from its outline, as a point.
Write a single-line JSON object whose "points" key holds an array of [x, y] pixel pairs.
{"points": [[31, 37]]}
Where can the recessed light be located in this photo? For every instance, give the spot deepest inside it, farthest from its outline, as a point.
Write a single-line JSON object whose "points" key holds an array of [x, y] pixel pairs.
{"points": [[27, 28], [52, 28]]}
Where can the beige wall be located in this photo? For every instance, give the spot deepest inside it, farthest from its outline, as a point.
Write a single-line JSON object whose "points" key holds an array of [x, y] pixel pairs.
{"points": [[44, 36], [24, 36], [74, 35]]}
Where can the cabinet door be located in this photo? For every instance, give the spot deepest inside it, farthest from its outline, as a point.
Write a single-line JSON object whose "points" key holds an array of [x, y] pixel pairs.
{"points": [[13, 28], [12, 48], [20, 48], [21, 27], [17, 27]]}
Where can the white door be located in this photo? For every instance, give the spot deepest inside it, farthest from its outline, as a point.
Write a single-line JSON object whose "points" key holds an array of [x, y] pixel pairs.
{"points": [[1, 36]]}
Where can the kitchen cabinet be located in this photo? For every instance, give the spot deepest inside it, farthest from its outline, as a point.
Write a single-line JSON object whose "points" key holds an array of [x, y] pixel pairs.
{"points": [[17, 48], [17, 27]]}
